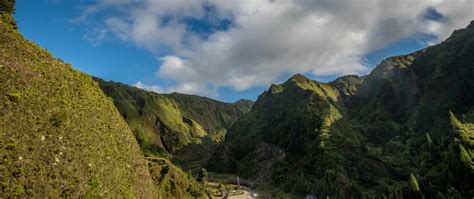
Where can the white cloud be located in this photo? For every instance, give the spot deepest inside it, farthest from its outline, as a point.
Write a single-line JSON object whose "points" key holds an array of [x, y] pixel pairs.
{"points": [[269, 38], [173, 67], [193, 88], [187, 88], [154, 88]]}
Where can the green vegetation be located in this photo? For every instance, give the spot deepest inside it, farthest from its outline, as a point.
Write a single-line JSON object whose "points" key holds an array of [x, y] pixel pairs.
{"points": [[466, 157], [171, 182], [365, 136], [7, 6], [462, 147], [203, 176], [414, 183], [406, 130], [60, 136], [243, 104], [186, 128]]}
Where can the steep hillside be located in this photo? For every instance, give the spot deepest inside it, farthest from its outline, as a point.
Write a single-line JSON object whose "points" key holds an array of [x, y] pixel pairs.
{"points": [[183, 127], [389, 133], [60, 136], [244, 104], [297, 138], [404, 107]]}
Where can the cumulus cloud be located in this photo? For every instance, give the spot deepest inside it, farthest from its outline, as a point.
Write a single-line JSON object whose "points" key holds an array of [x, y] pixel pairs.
{"points": [[270, 38], [154, 88], [190, 88]]}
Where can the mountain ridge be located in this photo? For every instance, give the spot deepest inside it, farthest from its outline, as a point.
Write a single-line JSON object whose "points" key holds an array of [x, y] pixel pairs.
{"points": [[185, 128], [61, 136], [386, 122], [406, 130]]}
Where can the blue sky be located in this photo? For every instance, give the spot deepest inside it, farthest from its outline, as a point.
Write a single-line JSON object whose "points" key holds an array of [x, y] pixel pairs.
{"points": [[128, 59], [48, 23]]}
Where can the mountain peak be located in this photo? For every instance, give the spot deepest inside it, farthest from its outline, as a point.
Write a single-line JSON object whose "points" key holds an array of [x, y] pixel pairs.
{"points": [[471, 25], [298, 78], [244, 103]]}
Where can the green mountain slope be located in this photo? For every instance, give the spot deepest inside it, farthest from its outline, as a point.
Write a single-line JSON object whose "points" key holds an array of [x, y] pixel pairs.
{"points": [[406, 130], [296, 138], [244, 104], [183, 127], [404, 107], [389, 133], [60, 135]]}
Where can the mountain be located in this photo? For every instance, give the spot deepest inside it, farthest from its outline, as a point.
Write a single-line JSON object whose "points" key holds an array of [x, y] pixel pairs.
{"points": [[296, 138], [404, 130], [61, 136], [244, 104], [185, 128]]}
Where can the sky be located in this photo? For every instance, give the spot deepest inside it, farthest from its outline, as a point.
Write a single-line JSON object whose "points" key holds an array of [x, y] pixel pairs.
{"points": [[228, 50]]}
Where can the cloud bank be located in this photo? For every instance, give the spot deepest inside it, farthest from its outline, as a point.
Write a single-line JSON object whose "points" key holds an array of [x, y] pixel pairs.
{"points": [[209, 44]]}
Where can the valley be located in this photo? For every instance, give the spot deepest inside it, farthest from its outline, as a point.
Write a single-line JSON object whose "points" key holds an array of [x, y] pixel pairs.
{"points": [[305, 137], [405, 130]]}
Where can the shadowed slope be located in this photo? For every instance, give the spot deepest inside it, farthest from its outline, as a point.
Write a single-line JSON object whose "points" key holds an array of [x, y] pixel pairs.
{"points": [[389, 133], [183, 127]]}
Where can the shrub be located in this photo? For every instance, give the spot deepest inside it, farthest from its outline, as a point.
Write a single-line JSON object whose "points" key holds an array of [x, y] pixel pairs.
{"points": [[7, 6], [203, 176], [465, 157], [14, 97], [60, 119], [414, 183]]}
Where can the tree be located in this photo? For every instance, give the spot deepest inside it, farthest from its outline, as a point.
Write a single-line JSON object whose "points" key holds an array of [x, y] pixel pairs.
{"points": [[414, 183], [454, 121], [465, 158], [7, 6], [203, 176], [428, 139]]}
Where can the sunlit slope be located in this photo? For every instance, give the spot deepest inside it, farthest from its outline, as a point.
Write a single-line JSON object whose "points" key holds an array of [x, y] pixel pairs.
{"points": [[60, 136], [184, 127], [404, 130]]}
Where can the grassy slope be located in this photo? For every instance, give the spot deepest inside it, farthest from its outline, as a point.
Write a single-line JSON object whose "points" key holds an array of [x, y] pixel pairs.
{"points": [[294, 137], [404, 105], [388, 133], [59, 134], [183, 127], [62, 137], [171, 182]]}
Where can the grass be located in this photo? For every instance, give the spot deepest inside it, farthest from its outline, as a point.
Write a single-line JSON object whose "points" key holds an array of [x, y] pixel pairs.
{"points": [[60, 136], [365, 136], [171, 182], [183, 127]]}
